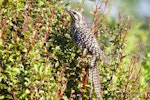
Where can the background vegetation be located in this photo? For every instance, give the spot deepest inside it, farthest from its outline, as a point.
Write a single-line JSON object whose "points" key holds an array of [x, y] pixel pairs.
{"points": [[38, 59]]}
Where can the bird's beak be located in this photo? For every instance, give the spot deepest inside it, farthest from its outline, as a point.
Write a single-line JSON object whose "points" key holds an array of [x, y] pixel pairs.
{"points": [[68, 10]]}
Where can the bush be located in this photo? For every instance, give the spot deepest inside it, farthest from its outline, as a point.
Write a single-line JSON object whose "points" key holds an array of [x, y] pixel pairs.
{"points": [[39, 59]]}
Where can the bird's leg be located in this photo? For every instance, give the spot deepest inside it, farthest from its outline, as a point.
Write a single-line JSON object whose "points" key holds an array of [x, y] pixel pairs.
{"points": [[84, 52]]}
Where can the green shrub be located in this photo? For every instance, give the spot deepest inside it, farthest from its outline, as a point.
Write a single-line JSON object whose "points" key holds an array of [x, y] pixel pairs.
{"points": [[38, 59]]}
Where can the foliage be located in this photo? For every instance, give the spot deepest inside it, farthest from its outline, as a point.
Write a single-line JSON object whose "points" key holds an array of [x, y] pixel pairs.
{"points": [[146, 63], [35, 49], [38, 59]]}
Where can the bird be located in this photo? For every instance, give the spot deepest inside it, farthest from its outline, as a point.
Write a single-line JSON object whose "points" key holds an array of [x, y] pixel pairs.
{"points": [[85, 40]]}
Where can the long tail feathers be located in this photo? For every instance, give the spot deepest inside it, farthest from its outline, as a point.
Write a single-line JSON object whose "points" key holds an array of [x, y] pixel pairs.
{"points": [[91, 81], [94, 78], [96, 81]]}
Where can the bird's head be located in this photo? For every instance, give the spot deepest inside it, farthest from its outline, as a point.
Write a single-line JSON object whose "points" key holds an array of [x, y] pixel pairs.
{"points": [[75, 15]]}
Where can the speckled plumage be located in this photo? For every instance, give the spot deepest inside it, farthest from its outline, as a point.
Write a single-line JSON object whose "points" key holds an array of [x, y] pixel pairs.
{"points": [[84, 39]]}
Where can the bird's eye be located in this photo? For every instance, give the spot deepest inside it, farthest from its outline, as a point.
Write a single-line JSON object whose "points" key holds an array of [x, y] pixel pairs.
{"points": [[74, 12]]}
